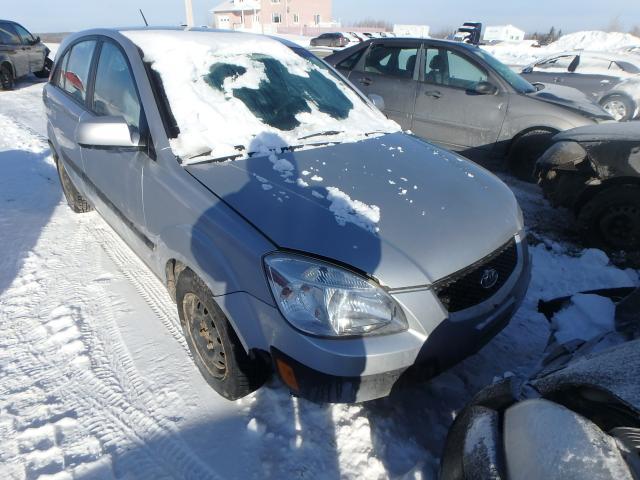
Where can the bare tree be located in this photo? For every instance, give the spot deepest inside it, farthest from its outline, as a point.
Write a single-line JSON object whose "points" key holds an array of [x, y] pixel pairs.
{"points": [[615, 25], [372, 23]]}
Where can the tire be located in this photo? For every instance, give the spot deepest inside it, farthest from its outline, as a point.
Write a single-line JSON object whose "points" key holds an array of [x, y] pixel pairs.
{"points": [[611, 219], [7, 80], [44, 73], [620, 107], [525, 151], [75, 200], [216, 349]]}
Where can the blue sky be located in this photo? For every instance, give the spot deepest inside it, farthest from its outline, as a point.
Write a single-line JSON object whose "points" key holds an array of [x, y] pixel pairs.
{"points": [[570, 15]]}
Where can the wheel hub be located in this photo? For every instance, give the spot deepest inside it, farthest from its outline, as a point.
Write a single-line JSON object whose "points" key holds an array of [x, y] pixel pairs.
{"points": [[204, 336], [616, 109]]}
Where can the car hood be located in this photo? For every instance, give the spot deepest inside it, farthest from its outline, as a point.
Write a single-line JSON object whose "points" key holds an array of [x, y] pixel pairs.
{"points": [[570, 98], [614, 131], [394, 207]]}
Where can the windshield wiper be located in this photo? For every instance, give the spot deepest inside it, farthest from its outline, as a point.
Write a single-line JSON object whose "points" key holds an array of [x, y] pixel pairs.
{"points": [[322, 134]]}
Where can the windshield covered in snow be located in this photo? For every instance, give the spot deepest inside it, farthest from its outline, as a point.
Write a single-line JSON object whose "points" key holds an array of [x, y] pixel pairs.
{"points": [[234, 95], [514, 79]]}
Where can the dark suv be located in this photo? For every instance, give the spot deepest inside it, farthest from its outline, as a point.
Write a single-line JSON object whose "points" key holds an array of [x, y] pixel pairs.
{"points": [[21, 54]]}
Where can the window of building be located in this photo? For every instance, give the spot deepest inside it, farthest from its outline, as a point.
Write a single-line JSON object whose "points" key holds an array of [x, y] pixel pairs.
{"points": [[276, 18], [316, 19], [296, 18]]}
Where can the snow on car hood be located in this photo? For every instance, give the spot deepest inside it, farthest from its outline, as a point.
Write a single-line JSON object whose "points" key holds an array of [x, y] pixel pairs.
{"points": [[570, 98], [394, 206], [225, 88]]}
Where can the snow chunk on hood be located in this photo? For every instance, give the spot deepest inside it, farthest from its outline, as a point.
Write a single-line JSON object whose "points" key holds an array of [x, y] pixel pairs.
{"points": [[223, 90], [347, 210]]}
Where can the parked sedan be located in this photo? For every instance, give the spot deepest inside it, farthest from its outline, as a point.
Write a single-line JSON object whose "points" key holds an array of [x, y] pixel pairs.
{"points": [[595, 173], [281, 210], [462, 98], [21, 54], [598, 75], [334, 40]]}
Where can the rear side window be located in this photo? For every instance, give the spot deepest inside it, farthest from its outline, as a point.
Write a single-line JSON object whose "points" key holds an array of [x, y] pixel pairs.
{"points": [[8, 35], [350, 62], [114, 91], [59, 75], [76, 75], [391, 61]]}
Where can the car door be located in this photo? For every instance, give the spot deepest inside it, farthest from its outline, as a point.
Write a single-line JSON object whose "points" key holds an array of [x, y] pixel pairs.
{"points": [[65, 101], [34, 49], [116, 173], [594, 75], [11, 46], [390, 70], [449, 110], [551, 70]]}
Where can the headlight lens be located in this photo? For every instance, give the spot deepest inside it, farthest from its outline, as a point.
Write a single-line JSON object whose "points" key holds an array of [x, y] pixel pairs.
{"points": [[323, 299]]}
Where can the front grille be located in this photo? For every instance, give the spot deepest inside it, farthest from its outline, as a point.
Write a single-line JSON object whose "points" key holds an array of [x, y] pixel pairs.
{"points": [[464, 289]]}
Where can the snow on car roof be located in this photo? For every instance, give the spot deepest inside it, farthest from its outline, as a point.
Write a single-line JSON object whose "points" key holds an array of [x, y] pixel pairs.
{"points": [[233, 94]]}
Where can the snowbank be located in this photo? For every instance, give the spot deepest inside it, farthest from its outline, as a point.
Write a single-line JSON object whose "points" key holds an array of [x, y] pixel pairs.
{"points": [[523, 53]]}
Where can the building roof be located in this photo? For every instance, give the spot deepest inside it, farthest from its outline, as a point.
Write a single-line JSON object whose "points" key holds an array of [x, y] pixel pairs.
{"points": [[233, 6]]}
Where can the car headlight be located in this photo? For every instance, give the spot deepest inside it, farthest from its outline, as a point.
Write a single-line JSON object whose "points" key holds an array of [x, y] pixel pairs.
{"points": [[323, 299]]}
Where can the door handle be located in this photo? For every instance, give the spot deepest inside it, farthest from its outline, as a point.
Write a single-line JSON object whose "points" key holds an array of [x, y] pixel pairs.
{"points": [[433, 93], [365, 81]]}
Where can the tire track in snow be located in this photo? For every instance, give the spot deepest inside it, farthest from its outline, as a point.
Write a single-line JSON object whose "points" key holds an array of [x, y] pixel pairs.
{"points": [[145, 282], [65, 368]]}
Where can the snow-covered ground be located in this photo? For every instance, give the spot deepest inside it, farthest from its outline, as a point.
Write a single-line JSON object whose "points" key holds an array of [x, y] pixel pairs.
{"points": [[96, 380]]}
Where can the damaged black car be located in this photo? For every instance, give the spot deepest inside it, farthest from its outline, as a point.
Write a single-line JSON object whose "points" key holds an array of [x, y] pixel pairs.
{"points": [[594, 171]]}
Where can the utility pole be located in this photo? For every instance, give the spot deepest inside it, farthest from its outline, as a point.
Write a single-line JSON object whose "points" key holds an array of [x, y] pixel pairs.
{"points": [[188, 6]]}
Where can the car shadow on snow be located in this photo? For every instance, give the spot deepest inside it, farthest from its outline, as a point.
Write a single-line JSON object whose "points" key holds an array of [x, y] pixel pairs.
{"points": [[296, 438], [29, 192]]}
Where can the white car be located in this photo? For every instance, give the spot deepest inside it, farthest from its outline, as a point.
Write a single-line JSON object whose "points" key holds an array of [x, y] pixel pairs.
{"points": [[612, 80]]}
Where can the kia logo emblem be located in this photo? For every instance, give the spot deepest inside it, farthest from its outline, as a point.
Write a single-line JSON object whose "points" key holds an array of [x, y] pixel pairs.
{"points": [[489, 278]]}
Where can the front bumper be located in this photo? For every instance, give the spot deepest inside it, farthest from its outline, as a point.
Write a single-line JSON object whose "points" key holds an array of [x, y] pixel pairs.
{"points": [[361, 369]]}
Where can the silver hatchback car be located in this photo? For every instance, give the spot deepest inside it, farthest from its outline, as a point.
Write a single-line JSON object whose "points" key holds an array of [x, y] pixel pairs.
{"points": [[297, 229]]}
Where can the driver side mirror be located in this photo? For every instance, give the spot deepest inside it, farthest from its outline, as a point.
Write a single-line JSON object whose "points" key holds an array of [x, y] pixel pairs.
{"points": [[377, 100], [528, 69], [36, 40], [107, 132], [485, 88]]}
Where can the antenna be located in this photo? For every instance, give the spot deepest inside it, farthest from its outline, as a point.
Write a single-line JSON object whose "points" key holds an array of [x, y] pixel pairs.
{"points": [[144, 18]]}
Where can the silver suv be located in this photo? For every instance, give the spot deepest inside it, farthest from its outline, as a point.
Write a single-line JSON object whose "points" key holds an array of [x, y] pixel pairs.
{"points": [[295, 226]]}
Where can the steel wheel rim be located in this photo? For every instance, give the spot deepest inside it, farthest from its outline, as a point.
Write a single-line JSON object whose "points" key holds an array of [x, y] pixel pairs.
{"points": [[204, 336], [620, 226], [616, 108]]}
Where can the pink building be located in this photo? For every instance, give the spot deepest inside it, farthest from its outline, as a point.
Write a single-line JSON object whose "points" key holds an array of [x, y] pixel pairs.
{"points": [[267, 16]]}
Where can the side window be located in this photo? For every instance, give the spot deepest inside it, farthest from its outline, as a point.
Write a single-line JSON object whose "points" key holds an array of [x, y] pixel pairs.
{"points": [[350, 62], [114, 91], [60, 74], [391, 61], [8, 35], [25, 36], [594, 65], [556, 64], [76, 74], [463, 73], [449, 68]]}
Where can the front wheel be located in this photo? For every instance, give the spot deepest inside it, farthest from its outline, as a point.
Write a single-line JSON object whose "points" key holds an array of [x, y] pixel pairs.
{"points": [[525, 151], [612, 218], [620, 107], [46, 70], [75, 199], [216, 349]]}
